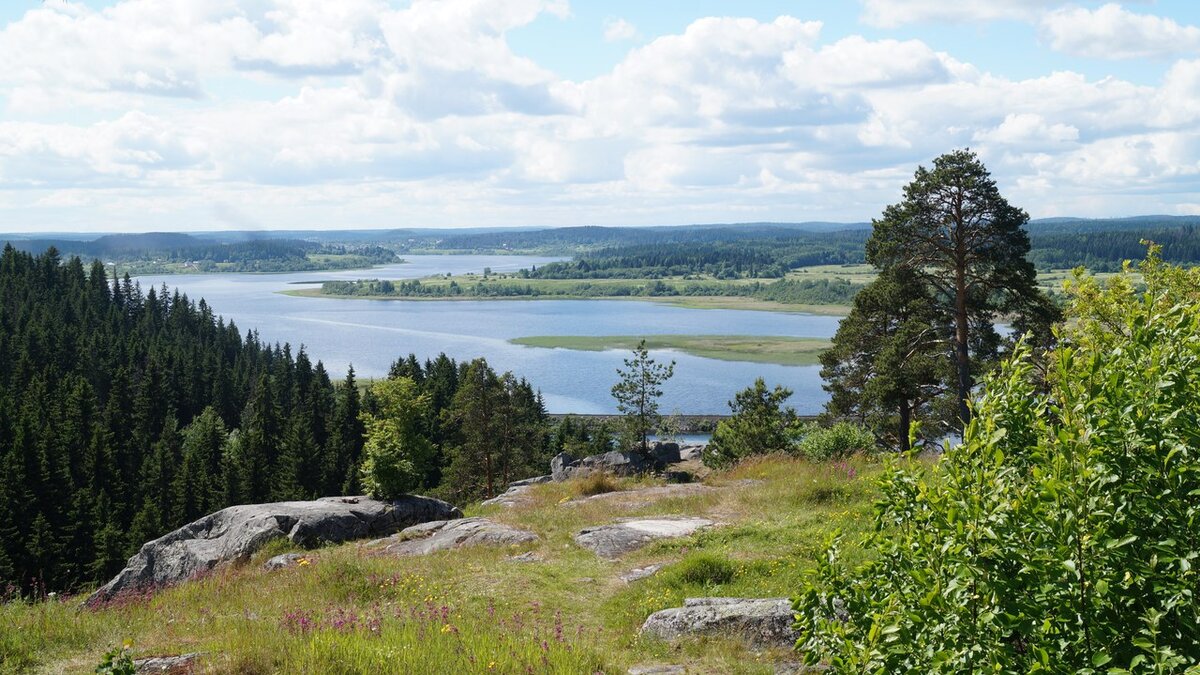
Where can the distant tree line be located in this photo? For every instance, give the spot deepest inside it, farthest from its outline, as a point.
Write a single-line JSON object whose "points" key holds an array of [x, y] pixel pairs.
{"points": [[768, 255], [791, 291], [1105, 251], [143, 253]]}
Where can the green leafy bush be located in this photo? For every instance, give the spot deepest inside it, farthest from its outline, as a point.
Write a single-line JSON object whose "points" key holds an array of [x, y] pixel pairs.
{"points": [[836, 442], [1062, 535], [117, 661]]}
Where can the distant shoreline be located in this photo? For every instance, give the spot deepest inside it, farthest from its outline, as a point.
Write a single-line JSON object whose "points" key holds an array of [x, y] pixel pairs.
{"points": [[689, 302]]}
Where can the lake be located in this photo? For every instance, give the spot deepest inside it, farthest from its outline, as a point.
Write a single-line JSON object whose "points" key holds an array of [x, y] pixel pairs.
{"points": [[371, 334]]}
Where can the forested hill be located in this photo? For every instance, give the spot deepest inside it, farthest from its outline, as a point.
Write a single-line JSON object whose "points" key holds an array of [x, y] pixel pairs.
{"points": [[125, 414], [157, 252], [114, 407], [758, 254], [567, 240], [765, 250]]}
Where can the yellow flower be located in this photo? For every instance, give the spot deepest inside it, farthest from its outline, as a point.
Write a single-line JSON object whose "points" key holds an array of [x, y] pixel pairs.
{"points": [[302, 562], [127, 643], [446, 628]]}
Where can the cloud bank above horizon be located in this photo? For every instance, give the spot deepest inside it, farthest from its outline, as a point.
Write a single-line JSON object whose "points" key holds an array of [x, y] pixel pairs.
{"points": [[143, 115]]}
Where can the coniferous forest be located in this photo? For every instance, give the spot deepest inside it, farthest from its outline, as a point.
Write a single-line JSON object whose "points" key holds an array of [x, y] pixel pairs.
{"points": [[125, 413]]}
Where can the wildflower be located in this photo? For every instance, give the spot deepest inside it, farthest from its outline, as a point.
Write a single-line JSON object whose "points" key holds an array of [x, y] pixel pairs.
{"points": [[446, 628], [302, 562], [127, 643]]}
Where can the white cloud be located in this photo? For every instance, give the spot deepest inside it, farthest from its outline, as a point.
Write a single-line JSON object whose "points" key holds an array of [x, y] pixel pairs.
{"points": [[1028, 129], [365, 113], [892, 13], [1111, 32], [619, 30]]}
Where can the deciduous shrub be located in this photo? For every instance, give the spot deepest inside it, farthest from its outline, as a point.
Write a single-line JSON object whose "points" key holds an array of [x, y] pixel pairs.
{"points": [[1063, 534], [396, 453]]}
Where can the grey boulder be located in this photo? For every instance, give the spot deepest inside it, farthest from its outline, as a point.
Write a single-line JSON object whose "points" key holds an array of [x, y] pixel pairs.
{"points": [[762, 622], [536, 480], [617, 539], [444, 535], [235, 533], [561, 466], [167, 665], [284, 561], [639, 573]]}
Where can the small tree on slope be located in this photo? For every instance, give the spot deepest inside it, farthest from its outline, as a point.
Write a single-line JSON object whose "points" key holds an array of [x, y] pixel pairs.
{"points": [[637, 394]]}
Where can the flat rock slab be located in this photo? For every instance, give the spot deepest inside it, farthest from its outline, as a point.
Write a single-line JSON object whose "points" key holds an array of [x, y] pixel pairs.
{"points": [[639, 573], [517, 495], [617, 539], [762, 622], [234, 534], [657, 670], [443, 535], [646, 495], [168, 665]]}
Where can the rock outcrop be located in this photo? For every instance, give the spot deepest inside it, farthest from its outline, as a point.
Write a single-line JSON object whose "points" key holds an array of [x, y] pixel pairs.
{"points": [[443, 535], [235, 533], [285, 560], [517, 492], [639, 573], [564, 466], [617, 539], [167, 665], [762, 622]]}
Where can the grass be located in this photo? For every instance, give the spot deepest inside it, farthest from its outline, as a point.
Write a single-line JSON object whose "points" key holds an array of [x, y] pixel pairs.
{"points": [[597, 483], [475, 610], [788, 351]]}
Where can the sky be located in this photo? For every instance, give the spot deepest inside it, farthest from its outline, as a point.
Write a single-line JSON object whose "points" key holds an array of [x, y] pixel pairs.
{"points": [[153, 115]]}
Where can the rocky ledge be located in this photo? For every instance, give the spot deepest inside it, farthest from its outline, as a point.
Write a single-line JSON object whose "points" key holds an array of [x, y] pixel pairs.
{"points": [[611, 541], [235, 533], [762, 622], [442, 535]]}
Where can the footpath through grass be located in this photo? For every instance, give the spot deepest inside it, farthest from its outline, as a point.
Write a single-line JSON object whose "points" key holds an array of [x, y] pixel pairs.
{"points": [[478, 610], [788, 351]]}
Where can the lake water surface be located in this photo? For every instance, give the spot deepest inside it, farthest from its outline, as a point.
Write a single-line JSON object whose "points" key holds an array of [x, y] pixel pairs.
{"points": [[370, 334]]}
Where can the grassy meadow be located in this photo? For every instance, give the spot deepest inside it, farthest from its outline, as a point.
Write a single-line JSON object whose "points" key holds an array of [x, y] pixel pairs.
{"points": [[477, 610]]}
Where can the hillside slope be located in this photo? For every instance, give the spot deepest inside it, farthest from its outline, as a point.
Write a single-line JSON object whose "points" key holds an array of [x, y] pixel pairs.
{"points": [[543, 606]]}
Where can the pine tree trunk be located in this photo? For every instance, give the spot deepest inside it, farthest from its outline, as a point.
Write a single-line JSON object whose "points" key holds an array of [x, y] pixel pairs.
{"points": [[962, 353]]}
